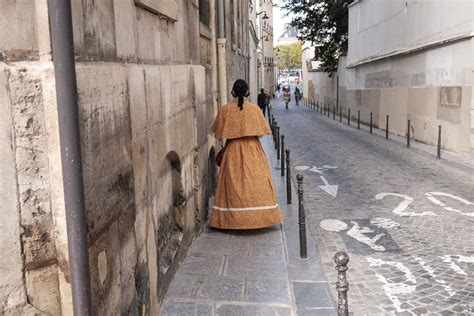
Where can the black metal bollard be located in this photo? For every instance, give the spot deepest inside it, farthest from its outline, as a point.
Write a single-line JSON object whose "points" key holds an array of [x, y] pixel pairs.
{"points": [[408, 133], [278, 143], [270, 114], [349, 116], [301, 219], [370, 122], [324, 109], [276, 135], [386, 129], [273, 127], [333, 112], [282, 155], [288, 177], [439, 143], [340, 114], [358, 119], [342, 286]]}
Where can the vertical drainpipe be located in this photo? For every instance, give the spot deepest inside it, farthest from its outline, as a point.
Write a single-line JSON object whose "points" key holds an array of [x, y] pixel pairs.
{"points": [[70, 142], [221, 53]]}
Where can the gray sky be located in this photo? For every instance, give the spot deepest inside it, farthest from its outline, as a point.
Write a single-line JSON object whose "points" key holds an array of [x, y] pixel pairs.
{"points": [[279, 21]]}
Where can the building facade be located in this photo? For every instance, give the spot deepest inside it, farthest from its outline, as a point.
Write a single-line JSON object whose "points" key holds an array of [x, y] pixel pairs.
{"points": [[266, 56], [148, 92], [411, 60]]}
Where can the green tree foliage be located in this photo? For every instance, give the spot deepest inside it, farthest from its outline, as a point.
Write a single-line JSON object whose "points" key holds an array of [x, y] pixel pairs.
{"points": [[288, 56], [324, 24]]}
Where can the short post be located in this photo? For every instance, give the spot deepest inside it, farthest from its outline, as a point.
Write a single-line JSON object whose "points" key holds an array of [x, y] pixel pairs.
{"points": [[273, 127], [282, 160], [278, 143], [370, 122], [340, 114], [333, 112], [386, 129], [329, 110], [324, 109], [269, 117], [358, 119], [301, 218], [288, 177], [276, 135], [439, 143], [342, 286], [408, 133], [349, 116]]}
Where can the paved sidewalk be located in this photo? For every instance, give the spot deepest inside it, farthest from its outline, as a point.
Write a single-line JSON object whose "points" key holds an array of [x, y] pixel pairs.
{"points": [[252, 272]]}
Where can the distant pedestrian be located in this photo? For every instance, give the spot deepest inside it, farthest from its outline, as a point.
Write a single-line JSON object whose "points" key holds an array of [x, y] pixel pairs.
{"points": [[286, 96], [262, 101], [245, 194], [297, 96]]}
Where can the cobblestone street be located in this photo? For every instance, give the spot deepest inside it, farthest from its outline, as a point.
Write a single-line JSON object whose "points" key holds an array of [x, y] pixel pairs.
{"points": [[405, 218]]}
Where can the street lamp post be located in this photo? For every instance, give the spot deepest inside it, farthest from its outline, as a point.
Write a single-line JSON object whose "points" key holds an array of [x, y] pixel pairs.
{"points": [[262, 40]]}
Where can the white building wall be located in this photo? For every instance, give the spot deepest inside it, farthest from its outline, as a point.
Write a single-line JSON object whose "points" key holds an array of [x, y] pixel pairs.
{"points": [[413, 60]]}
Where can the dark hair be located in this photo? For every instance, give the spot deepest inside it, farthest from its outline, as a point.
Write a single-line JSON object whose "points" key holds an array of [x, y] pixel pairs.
{"points": [[262, 90], [240, 90]]}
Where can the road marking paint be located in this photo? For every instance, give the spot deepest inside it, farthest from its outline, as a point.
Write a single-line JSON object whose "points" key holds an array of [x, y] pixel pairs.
{"points": [[430, 196], [333, 225], [316, 169], [302, 168], [328, 188], [394, 289], [358, 233], [401, 208], [329, 167], [449, 259], [385, 223], [431, 272]]}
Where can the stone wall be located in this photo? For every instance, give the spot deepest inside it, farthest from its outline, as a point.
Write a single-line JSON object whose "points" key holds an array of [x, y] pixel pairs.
{"points": [[146, 75]]}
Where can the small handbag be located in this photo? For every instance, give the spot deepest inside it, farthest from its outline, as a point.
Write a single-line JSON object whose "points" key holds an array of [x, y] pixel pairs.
{"points": [[219, 156]]}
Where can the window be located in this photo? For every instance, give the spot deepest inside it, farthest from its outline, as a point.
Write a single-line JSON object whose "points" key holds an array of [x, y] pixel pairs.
{"points": [[205, 12]]}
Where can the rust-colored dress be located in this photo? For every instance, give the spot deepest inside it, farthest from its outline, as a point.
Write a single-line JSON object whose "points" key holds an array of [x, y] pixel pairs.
{"points": [[245, 195]]}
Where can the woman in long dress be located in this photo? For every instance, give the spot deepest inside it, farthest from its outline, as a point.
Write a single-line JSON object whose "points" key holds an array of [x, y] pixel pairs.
{"points": [[287, 96], [245, 195]]}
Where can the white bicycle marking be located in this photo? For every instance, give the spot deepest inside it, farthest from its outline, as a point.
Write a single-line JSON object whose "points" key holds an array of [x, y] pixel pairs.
{"points": [[358, 233], [385, 223], [401, 208], [302, 168], [333, 225]]}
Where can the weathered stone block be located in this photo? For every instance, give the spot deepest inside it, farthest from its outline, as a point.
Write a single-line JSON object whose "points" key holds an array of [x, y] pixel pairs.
{"points": [[148, 39], [138, 104], [94, 29], [18, 33], [153, 90], [106, 145], [12, 290], [128, 263], [106, 295], [125, 19], [180, 98], [166, 8], [43, 290]]}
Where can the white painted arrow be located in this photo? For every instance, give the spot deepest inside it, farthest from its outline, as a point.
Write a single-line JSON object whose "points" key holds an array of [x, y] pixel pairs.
{"points": [[328, 188]]}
